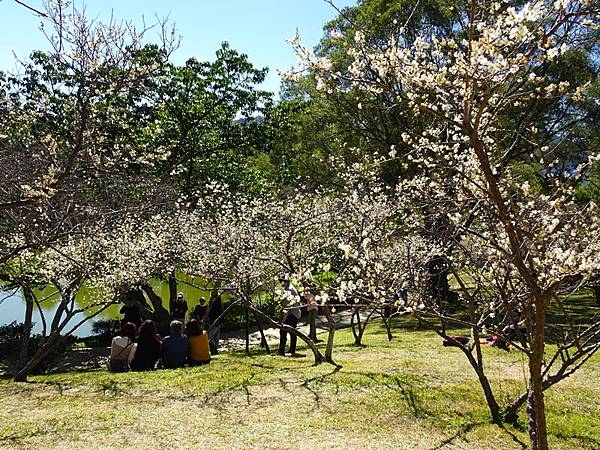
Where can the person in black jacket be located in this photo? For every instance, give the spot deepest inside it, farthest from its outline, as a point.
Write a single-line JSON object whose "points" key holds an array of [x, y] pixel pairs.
{"points": [[200, 311], [180, 307], [131, 312], [148, 347], [215, 311]]}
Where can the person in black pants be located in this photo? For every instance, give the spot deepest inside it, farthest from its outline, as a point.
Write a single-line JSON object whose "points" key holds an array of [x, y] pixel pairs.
{"points": [[291, 315], [214, 312]]}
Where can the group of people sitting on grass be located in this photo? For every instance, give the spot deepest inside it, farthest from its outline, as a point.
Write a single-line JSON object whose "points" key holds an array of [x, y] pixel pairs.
{"points": [[139, 346], [141, 349]]}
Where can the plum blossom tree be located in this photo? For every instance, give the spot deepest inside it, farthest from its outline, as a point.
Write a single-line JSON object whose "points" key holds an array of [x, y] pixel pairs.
{"points": [[526, 244], [228, 240], [73, 159], [107, 261], [71, 128]]}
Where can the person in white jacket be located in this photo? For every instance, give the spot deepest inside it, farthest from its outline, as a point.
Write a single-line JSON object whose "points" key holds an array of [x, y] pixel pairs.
{"points": [[122, 348]]}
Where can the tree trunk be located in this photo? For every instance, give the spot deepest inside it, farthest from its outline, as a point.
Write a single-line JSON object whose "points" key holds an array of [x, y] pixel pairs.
{"points": [[353, 325], [364, 326], [247, 323], [161, 316], [477, 364], [27, 326], [536, 415], [357, 326], [483, 379], [387, 321], [484, 382], [596, 290], [172, 290], [330, 335], [263, 339], [489, 397], [477, 360], [52, 341], [62, 307]]}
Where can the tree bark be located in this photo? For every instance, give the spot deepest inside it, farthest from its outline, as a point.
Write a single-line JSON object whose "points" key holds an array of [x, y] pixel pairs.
{"points": [[536, 414], [52, 341], [247, 327], [330, 335], [161, 316], [354, 324], [361, 325], [484, 382], [263, 339], [27, 326], [172, 290], [388, 325], [477, 364]]}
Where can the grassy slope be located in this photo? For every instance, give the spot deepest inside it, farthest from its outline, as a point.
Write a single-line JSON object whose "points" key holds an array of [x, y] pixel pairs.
{"points": [[408, 393]]}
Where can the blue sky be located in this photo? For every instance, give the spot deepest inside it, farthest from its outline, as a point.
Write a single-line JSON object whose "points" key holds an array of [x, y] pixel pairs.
{"points": [[258, 28]]}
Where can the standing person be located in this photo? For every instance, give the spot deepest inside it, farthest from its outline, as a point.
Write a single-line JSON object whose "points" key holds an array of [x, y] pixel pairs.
{"points": [[131, 311], [199, 352], [215, 311], [180, 307], [200, 311], [311, 306], [122, 348], [148, 347], [290, 316], [174, 348]]}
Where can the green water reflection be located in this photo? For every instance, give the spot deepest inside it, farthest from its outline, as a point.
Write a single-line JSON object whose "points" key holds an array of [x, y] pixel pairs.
{"points": [[13, 307]]}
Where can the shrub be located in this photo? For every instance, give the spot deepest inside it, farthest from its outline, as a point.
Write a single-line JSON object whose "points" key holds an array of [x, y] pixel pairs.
{"points": [[10, 345]]}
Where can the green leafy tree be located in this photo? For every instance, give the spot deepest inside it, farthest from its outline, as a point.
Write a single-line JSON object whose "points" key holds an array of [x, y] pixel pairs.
{"points": [[210, 120]]}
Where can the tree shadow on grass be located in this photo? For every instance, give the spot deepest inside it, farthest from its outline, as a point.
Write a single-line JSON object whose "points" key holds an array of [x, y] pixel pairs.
{"points": [[410, 391], [319, 378], [466, 428]]}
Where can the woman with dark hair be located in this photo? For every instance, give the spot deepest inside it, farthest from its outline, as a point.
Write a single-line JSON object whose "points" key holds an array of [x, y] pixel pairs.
{"points": [[122, 348], [148, 347], [199, 351]]}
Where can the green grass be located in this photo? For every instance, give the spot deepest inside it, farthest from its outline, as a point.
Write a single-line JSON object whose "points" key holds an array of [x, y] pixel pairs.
{"points": [[408, 393]]}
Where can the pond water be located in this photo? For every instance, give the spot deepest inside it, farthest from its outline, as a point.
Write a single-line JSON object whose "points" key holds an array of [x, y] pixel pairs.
{"points": [[12, 305]]}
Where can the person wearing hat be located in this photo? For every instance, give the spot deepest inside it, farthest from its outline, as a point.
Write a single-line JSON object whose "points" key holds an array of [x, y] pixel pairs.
{"points": [[180, 307], [200, 311]]}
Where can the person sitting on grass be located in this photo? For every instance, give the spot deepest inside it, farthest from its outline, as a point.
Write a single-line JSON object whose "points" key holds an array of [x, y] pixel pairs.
{"points": [[148, 347], [122, 348], [199, 353], [174, 348]]}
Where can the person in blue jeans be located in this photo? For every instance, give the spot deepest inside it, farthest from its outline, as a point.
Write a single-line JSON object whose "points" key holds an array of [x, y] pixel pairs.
{"points": [[174, 348]]}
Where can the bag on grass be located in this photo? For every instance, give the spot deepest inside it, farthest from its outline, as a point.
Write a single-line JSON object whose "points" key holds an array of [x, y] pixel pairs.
{"points": [[454, 340]]}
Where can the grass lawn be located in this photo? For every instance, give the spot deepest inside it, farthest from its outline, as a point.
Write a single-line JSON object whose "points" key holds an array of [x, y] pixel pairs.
{"points": [[408, 393]]}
